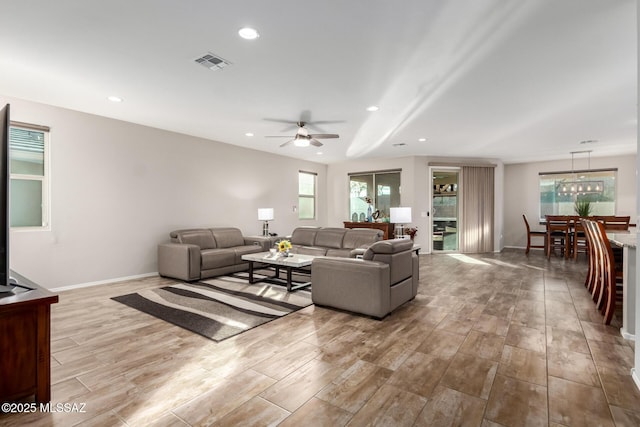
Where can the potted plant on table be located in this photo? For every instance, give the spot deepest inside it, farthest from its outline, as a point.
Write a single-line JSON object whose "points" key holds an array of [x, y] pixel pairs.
{"points": [[411, 232], [283, 247], [582, 208]]}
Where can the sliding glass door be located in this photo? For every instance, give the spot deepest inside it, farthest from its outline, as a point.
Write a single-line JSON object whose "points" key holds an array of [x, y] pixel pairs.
{"points": [[445, 209]]}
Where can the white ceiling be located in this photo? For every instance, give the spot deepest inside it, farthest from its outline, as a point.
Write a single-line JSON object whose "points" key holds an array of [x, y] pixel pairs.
{"points": [[509, 79]]}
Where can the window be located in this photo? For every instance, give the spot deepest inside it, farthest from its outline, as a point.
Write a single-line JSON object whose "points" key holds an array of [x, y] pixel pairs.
{"points": [[28, 157], [306, 195], [382, 188], [559, 192]]}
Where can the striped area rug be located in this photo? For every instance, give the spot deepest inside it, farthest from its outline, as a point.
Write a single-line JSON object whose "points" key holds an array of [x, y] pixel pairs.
{"points": [[218, 308]]}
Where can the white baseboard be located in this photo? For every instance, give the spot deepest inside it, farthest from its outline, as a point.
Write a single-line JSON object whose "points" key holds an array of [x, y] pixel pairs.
{"points": [[636, 377], [626, 335], [102, 282], [524, 248]]}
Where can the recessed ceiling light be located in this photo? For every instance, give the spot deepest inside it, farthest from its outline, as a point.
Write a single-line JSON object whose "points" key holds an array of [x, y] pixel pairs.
{"points": [[422, 139], [248, 134], [373, 108], [319, 153], [248, 33], [113, 98]]}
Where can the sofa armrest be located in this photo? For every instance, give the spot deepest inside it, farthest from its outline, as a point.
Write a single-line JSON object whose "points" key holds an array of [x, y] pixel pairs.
{"points": [[262, 241], [357, 252], [351, 284], [179, 260]]}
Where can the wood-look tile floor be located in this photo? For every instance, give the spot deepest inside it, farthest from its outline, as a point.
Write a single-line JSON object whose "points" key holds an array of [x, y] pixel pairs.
{"points": [[490, 340]]}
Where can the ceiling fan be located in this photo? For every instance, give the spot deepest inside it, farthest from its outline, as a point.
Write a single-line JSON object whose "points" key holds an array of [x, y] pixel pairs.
{"points": [[303, 138]]}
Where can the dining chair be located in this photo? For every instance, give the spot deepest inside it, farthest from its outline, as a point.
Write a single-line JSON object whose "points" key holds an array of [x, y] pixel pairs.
{"points": [[558, 229], [595, 273], [612, 284], [534, 233], [589, 280], [613, 222], [579, 241]]}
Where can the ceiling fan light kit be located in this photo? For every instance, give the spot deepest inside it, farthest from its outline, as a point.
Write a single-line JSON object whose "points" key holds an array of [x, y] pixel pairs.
{"points": [[301, 142], [303, 138]]}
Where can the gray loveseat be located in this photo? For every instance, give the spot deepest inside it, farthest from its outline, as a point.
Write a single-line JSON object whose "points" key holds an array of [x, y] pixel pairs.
{"points": [[384, 279], [200, 253], [337, 242]]}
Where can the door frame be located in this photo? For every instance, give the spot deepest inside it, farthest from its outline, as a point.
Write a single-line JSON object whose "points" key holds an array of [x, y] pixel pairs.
{"points": [[432, 169]]}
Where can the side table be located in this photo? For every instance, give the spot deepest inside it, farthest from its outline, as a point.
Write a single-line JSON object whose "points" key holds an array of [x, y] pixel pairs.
{"points": [[267, 242]]}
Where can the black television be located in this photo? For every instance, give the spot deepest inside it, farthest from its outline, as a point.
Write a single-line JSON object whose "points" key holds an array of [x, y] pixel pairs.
{"points": [[7, 284]]}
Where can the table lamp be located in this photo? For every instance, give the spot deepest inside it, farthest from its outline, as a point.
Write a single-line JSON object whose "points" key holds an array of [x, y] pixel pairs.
{"points": [[400, 216], [266, 215]]}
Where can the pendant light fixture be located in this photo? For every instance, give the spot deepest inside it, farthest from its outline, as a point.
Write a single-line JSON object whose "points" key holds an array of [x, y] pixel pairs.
{"points": [[578, 186]]}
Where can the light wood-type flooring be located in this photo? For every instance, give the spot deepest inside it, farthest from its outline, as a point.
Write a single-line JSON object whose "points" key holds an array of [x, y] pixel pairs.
{"points": [[490, 340]]}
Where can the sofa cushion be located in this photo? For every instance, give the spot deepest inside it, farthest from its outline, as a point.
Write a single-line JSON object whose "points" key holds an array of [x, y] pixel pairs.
{"points": [[216, 258], [361, 237], [227, 237], [201, 237], [243, 250], [343, 253], [330, 237], [304, 236], [309, 250]]}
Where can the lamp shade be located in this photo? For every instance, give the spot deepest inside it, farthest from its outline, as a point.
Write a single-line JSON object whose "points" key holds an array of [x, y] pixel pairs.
{"points": [[400, 215], [265, 214]]}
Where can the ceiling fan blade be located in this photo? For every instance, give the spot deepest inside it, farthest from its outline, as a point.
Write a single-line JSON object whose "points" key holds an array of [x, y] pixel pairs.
{"points": [[315, 142], [324, 135], [317, 126], [292, 124], [287, 143], [325, 122]]}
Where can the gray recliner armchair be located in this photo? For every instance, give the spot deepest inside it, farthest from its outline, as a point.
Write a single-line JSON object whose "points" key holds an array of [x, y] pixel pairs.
{"points": [[385, 278]]}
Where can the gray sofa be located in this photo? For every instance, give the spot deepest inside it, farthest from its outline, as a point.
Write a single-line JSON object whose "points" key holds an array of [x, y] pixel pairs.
{"points": [[200, 253], [385, 278], [337, 242]]}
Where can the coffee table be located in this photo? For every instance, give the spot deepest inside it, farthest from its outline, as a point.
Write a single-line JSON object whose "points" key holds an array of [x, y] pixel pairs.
{"points": [[290, 264]]}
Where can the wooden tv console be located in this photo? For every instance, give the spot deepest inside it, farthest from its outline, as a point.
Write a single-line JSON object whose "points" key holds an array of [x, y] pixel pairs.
{"points": [[25, 343]]}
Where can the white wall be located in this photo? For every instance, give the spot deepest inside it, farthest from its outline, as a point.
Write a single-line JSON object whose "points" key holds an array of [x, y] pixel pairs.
{"points": [[118, 189], [522, 192]]}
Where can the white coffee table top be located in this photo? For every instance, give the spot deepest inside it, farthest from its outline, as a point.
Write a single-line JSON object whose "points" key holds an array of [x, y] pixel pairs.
{"points": [[295, 261]]}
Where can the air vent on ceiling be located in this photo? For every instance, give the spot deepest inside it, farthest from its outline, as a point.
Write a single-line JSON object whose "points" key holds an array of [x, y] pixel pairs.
{"points": [[212, 62]]}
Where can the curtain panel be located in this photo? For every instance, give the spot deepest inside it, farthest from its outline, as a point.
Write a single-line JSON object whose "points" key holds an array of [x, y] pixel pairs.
{"points": [[477, 209]]}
